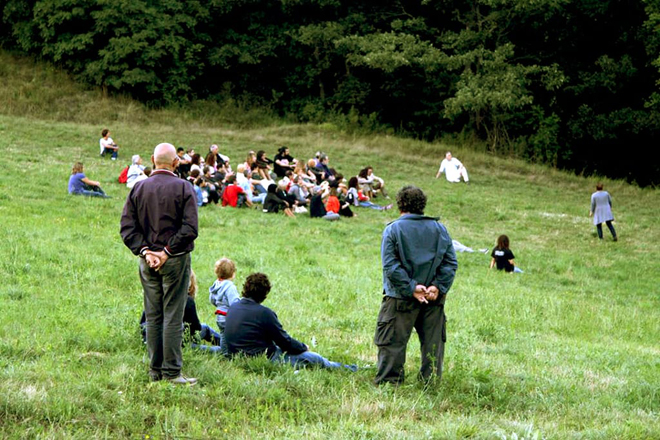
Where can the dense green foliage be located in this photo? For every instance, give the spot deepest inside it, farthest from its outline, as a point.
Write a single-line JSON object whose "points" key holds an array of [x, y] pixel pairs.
{"points": [[567, 350], [567, 83]]}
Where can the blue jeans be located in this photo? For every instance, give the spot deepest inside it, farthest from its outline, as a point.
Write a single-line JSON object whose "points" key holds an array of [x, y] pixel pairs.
{"points": [[372, 206], [92, 191], [599, 228], [110, 150], [307, 358], [217, 339], [259, 199]]}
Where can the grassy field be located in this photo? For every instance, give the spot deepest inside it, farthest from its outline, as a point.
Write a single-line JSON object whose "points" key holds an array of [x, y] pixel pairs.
{"points": [[567, 350]]}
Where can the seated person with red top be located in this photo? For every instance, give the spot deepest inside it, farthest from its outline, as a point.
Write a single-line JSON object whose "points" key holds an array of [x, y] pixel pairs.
{"points": [[233, 195]]}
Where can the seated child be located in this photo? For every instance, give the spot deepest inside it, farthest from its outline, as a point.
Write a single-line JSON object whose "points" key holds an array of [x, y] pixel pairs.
{"points": [[254, 330], [222, 294], [334, 205], [503, 257], [317, 208]]}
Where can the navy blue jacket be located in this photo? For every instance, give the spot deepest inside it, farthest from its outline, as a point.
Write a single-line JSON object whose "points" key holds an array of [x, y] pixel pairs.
{"points": [[253, 329]]}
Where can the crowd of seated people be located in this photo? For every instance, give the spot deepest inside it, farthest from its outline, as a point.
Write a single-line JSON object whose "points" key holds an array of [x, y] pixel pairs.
{"points": [[282, 185]]}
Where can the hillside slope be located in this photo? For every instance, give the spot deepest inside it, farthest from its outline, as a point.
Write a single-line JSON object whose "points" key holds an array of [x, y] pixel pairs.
{"points": [[566, 350]]}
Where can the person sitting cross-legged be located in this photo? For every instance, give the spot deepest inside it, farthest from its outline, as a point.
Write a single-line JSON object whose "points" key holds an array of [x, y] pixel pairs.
{"points": [[107, 145], [252, 329]]}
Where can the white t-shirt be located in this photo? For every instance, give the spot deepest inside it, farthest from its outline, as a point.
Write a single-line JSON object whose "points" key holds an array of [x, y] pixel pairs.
{"points": [[103, 143], [450, 168]]}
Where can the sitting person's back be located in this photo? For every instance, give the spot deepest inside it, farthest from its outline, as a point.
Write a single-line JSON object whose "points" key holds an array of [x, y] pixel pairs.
{"points": [[503, 257], [233, 195], [253, 329]]}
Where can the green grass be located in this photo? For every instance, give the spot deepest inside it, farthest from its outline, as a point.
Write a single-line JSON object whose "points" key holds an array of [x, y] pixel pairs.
{"points": [[569, 349]]}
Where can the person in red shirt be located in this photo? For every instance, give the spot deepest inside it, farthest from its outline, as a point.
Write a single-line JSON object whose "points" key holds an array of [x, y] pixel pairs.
{"points": [[233, 193], [332, 203]]}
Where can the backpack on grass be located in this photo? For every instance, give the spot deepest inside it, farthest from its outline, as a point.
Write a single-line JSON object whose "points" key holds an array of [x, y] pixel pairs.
{"points": [[123, 176]]}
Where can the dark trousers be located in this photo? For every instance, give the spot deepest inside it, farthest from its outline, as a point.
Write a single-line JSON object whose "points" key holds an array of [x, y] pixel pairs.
{"points": [[110, 151], [396, 319], [165, 293], [599, 228]]}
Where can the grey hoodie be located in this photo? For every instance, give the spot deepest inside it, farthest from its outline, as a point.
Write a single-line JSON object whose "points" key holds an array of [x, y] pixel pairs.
{"points": [[222, 294]]}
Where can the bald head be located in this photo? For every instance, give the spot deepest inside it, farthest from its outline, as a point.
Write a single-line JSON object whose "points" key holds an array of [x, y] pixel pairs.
{"points": [[164, 157]]}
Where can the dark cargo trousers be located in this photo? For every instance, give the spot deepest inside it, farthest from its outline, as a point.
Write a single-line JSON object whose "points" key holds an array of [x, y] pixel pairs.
{"points": [[396, 319], [165, 293]]}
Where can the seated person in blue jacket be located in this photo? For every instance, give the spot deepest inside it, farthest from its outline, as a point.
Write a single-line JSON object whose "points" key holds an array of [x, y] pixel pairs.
{"points": [[194, 330], [254, 330]]}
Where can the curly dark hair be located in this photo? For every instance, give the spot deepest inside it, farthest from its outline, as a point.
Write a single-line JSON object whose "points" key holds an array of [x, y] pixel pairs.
{"points": [[256, 287], [411, 199]]}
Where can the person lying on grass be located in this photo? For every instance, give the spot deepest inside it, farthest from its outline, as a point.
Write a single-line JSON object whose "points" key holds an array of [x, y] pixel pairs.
{"points": [[252, 329]]}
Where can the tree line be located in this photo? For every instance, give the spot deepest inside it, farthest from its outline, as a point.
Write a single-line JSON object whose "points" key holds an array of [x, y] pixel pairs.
{"points": [[569, 83]]}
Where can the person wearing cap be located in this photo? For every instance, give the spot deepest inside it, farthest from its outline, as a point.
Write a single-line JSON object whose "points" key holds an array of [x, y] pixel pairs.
{"points": [[453, 169], [159, 224]]}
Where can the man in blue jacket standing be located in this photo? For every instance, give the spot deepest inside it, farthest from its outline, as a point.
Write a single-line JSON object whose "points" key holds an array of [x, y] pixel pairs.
{"points": [[419, 265]]}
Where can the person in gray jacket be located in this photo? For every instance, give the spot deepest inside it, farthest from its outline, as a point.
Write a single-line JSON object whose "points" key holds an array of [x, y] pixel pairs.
{"points": [[601, 211], [419, 265]]}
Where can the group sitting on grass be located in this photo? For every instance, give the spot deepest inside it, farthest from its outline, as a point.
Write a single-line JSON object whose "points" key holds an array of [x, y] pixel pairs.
{"points": [[283, 184]]}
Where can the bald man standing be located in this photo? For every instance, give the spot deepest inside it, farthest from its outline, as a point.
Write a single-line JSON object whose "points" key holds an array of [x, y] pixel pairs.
{"points": [[159, 224]]}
